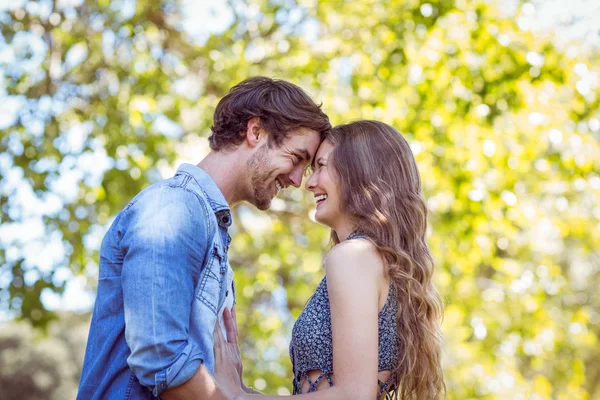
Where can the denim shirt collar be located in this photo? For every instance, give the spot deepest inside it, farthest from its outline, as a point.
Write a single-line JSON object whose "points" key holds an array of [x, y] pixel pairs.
{"points": [[211, 190]]}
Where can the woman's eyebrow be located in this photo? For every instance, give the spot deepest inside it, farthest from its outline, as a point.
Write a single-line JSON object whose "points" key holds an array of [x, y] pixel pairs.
{"points": [[316, 161]]}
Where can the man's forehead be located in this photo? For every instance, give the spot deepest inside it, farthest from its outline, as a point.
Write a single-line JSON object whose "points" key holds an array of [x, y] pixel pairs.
{"points": [[304, 131], [304, 139], [304, 134]]}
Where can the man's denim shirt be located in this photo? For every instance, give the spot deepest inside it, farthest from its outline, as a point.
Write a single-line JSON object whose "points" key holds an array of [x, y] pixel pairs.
{"points": [[163, 269]]}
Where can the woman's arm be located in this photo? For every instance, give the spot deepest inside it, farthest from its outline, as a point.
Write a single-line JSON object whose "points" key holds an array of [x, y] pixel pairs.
{"points": [[353, 271]]}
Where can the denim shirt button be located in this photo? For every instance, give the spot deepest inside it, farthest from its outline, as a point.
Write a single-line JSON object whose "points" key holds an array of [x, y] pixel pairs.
{"points": [[224, 218]]}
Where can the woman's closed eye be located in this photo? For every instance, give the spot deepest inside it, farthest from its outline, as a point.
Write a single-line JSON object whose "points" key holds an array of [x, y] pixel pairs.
{"points": [[312, 168]]}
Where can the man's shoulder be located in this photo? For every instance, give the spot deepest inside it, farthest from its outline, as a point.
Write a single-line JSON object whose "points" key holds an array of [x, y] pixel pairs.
{"points": [[174, 198], [180, 188]]}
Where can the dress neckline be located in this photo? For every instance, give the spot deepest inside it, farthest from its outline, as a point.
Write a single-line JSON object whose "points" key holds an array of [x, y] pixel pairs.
{"points": [[356, 235]]}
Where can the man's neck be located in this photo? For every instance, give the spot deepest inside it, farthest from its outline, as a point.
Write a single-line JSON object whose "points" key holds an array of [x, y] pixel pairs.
{"points": [[224, 169]]}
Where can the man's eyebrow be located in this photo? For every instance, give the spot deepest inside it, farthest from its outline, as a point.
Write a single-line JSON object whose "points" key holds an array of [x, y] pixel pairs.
{"points": [[303, 155]]}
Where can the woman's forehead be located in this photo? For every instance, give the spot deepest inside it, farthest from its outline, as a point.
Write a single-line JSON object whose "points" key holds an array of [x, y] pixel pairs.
{"points": [[324, 149]]}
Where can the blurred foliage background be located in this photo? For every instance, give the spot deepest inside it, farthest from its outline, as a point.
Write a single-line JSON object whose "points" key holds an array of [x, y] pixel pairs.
{"points": [[100, 98]]}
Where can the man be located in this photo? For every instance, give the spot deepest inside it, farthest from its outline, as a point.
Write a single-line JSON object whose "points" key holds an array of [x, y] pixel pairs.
{"points": [[164, 277]]}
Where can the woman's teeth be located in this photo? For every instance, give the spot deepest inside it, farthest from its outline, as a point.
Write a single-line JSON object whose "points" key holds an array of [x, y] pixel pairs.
{"points": [[278, 186], [320, 198]]}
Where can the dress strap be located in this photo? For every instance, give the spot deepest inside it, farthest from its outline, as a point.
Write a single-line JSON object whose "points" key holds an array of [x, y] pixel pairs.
{"points": [[312, 385], [390, 393]]}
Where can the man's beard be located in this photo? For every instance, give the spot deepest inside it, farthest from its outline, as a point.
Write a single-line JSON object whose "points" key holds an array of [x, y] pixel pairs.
{"points": [[260, 169]]}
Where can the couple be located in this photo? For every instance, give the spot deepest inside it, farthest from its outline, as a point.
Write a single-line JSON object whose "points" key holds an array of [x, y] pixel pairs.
{"points": [[371, 330]]}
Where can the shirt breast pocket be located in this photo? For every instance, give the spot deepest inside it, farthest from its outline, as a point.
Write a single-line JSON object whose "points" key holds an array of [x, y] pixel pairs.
{"points": [[212, 278]]}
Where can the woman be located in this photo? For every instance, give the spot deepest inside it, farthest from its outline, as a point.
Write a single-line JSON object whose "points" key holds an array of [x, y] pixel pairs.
{"points": [[379, 274]]}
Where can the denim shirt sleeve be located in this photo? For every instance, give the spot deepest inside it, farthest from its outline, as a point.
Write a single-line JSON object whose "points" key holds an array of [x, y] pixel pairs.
{"points": [[164, 241]]}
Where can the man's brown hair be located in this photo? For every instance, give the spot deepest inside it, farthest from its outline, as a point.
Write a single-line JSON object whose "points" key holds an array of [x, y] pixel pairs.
{"points": [[280, 105]]}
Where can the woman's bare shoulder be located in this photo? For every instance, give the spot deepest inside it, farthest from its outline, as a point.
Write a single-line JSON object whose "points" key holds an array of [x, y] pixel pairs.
{"points": [[353, 256]]}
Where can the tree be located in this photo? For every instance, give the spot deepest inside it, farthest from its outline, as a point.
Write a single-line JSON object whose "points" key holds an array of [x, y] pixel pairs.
{"points": [[35, 366], [503, 123]]}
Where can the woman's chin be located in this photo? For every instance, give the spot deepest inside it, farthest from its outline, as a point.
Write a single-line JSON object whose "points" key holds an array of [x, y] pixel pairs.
{"points": [[321, 218]]}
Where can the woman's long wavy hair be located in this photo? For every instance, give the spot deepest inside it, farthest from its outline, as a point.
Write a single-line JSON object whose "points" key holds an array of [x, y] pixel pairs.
{"points": [[380, 188]]}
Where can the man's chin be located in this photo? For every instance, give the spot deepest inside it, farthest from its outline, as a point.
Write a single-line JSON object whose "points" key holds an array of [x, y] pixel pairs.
{"points": [[262, 204], [264, 207]]}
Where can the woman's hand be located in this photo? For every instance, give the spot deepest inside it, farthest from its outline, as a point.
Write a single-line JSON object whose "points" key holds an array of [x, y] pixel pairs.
{"points": [[228, 362]]}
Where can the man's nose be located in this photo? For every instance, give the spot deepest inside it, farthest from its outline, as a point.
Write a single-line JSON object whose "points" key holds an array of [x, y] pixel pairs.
{"points": [[296, 177]]}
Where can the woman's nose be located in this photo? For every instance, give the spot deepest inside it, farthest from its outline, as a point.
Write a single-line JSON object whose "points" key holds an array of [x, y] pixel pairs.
{"points": [[311, 182]]}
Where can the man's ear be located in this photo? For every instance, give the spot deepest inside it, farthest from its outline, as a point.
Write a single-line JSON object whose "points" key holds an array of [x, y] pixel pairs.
{"points": [[254, 133]]}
